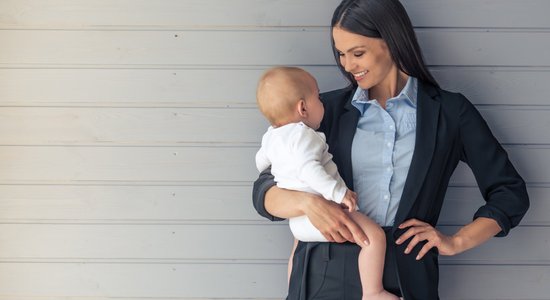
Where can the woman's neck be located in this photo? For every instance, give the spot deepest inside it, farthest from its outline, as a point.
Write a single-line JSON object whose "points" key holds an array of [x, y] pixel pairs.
{"points": [[389, 87]]}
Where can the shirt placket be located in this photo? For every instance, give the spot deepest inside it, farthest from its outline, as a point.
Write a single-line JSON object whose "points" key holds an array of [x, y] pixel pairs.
{"points": [[387, 165]]}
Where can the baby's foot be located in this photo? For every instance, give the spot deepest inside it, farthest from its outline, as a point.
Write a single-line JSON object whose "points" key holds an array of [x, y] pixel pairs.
{"points": [[383, 295]]}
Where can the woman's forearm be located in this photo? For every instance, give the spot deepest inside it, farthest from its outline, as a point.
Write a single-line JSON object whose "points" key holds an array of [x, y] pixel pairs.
{"points": [[327, 216], [475, 233], [284, 203], [468, 237]]}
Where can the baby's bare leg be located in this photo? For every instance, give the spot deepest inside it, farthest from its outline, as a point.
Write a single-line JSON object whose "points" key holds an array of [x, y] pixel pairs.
{"points": [[371, 259]]}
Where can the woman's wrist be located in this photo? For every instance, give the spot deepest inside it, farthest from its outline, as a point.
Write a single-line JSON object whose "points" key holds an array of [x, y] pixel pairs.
{"points": [[307, 201], [474, 234], [283, 203], [458, 243]]}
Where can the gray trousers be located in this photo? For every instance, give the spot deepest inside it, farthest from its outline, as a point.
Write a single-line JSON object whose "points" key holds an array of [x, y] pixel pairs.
{"points": [[329, 271]]}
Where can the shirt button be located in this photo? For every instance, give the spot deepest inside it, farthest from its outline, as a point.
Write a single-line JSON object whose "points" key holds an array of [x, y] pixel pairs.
{"points": [[386, 197], [391, 126], [389, 144], [388, 169]]}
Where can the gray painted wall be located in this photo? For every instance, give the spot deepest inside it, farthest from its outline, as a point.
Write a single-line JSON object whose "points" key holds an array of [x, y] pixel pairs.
{"points": [[128, 130]]}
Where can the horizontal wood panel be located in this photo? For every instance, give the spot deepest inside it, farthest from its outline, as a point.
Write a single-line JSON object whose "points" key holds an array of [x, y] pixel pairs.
{"points": [[173, 126], [484, 48], [157, 243], [517, 125], [494, 282], [488, 86], [138, 87], [244, 13], [166, 13], [156, 281], [270, 47], [256, 281], [151, 242], [195, 87], [128, 163], [208, 164], [478, 13], [130, 204], [135, 126], [188, 204]]}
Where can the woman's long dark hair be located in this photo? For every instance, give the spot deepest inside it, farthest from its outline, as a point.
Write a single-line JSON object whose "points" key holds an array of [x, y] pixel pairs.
{"points": [[388, 20]]}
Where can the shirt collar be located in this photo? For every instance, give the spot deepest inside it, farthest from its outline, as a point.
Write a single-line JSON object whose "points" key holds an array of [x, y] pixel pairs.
{"points": [[409, 93]]}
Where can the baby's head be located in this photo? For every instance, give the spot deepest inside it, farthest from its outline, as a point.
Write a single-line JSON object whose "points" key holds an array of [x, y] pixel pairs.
{"points": [[289, 95]]}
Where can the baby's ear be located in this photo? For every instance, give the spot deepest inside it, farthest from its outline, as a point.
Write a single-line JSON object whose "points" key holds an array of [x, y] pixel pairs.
{"points": [[301, 107]]}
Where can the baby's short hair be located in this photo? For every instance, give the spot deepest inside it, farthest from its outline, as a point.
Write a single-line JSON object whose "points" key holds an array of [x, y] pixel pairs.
{"points": [[279, 89]]}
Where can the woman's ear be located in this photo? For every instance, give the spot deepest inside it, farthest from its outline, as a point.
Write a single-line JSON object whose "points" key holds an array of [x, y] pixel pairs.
{"points": [[302, 109]]}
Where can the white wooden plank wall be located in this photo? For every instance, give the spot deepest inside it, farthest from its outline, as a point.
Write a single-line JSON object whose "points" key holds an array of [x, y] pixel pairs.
{"points": [[128, 129]]}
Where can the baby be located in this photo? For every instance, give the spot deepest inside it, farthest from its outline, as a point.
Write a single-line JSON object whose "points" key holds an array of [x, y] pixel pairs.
{"points": [[298, 155]]}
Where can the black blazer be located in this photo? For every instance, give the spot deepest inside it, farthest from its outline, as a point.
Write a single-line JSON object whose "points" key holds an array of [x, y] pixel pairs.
{"points": [[449, 129]]}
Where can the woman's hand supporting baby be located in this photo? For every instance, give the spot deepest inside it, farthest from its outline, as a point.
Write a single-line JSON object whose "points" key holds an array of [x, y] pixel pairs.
{"points": [[332, 219]]}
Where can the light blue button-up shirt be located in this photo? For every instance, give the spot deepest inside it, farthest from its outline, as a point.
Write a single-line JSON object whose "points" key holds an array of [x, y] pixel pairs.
{"points": [[382, 151]]}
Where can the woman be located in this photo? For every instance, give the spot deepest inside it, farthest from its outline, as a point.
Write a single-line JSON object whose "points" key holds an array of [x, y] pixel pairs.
{"points": [[396, 138]]}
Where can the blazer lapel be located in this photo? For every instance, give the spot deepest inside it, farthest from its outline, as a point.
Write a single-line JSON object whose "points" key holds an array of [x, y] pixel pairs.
{"points": [[427, 117], [347, 128]]}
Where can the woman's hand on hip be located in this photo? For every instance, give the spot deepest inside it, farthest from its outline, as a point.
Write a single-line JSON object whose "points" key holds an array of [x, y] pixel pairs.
{"points": [[332, 220], [421, 231]]}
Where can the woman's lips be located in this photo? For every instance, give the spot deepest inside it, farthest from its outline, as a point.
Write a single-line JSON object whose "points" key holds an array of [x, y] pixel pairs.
{"points": [[359, 76]]}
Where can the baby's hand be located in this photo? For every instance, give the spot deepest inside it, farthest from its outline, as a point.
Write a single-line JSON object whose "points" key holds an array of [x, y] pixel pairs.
{"points": [[350, 200]]}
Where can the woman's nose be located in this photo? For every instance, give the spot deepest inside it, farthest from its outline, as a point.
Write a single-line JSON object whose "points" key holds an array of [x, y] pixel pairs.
{"points": [[347, 63]]}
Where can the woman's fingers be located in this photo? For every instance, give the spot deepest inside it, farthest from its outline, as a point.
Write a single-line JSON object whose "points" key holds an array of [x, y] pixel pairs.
{"points": [[412, 231], [334, 222], [412, 222], [415, 240], [336, 237], [420, 231], [421, 234], [358, 235], [424, 250], [331, 219], [337, 234], [345, 229]]}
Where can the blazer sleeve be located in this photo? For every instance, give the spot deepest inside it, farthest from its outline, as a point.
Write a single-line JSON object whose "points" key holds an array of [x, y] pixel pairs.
{"points": [[264, 182], [500, 184]]}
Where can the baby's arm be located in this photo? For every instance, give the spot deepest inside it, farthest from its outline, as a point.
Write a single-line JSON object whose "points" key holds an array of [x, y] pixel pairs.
{"points": [[350, 200], [309, 149], [262, 162]]}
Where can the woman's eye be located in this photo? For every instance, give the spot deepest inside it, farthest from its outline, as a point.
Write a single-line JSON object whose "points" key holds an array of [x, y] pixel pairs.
{"points": [[340, 54], [358, 54]]}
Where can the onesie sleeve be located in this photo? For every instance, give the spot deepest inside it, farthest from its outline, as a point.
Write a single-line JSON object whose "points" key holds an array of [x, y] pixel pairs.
{"points": [[500, 184], [262, 162], [264, 182]]}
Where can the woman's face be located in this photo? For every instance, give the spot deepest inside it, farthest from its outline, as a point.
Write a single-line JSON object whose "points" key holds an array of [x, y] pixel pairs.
{"points": [[367, 59]]}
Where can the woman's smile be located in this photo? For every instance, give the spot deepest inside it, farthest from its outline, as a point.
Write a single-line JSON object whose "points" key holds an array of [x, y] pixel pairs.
{"points": [[359, 76]]}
